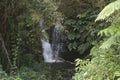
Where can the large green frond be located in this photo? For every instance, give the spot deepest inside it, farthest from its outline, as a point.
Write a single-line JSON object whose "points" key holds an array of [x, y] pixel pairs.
{"points": [[110, 41], [108, 10], [110, 31]]}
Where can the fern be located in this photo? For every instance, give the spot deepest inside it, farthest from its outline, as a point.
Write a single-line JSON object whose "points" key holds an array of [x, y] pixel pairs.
{"points": [[108, 43], [109, 10], [110, 31]]}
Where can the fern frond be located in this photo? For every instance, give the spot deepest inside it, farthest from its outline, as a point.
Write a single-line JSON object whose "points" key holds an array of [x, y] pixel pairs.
{"points": [[109, 10], [110, 31], [108, 43]]}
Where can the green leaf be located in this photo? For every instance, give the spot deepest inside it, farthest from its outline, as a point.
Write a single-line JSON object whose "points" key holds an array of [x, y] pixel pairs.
{"points": [[109, 10], [107, 44]]}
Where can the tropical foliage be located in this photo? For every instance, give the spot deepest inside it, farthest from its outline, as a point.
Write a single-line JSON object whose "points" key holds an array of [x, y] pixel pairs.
{"points": [[105, 62], [95, 41], [78, 33], [20, 35], [20, 27]]}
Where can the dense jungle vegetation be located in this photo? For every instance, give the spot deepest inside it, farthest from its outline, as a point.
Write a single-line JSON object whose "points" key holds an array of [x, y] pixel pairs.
{"points": [[90, 39]]}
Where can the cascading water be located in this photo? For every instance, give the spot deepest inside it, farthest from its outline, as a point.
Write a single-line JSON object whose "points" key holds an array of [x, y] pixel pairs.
{"points": [[56, 41], [47, 51], [51, 52]]}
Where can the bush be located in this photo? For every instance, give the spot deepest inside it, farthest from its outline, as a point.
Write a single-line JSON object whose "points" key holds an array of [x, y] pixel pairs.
{"points": [[105, 65]]}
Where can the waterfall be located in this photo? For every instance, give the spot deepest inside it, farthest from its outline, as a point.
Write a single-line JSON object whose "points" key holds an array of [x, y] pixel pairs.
{"points": [[47, 51], [56, 41], [51, 50]]}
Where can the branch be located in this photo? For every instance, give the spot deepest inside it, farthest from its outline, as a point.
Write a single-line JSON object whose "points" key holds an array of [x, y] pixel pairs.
{"points": [[4, 48], [61, 59]]}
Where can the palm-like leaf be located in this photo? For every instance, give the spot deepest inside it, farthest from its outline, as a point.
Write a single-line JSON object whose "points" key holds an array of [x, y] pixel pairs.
{"points": [[109, 10]]}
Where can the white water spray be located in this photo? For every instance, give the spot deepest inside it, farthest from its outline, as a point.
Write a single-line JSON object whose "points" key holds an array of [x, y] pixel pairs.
{"points": [[47, 51], [51, 52]]}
